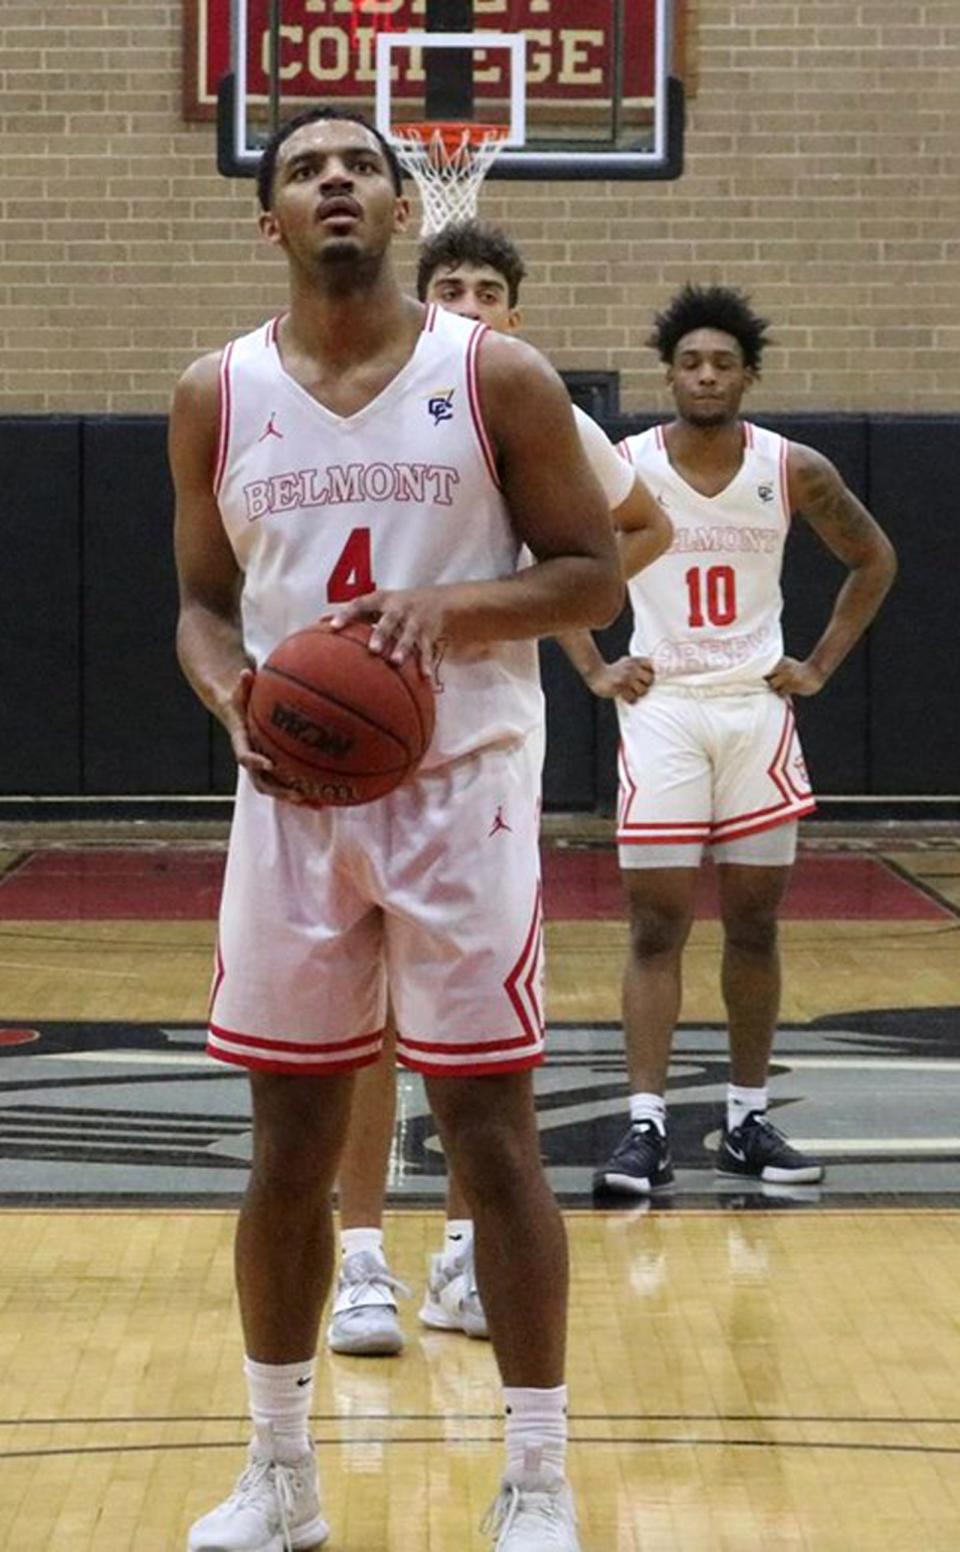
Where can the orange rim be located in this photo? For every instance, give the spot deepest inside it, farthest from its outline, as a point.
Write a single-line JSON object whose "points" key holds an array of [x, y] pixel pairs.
{"points": [[452, 135]]}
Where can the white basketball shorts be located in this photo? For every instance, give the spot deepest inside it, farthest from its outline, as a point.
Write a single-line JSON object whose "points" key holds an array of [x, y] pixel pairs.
{"points": [[433, 892], [698, 768]]}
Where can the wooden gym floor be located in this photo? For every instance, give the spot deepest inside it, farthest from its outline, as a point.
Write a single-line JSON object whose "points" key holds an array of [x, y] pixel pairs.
{"points": [[748, 1370]]}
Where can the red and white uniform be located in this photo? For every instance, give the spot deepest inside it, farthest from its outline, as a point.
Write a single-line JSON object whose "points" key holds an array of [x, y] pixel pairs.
{"points": [[711, 753], [614, 473], [438, 883], [320, 509]]}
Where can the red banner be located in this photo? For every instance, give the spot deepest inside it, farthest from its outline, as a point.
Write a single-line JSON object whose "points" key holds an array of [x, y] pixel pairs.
{"points": [[328, 49]]}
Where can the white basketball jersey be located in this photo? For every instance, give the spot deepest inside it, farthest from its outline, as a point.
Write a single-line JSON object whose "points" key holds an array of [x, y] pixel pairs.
{"points": [[320, 509], [708, 611]]}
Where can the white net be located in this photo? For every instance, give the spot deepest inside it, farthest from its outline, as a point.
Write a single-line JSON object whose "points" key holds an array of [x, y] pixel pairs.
{"points": [[448, 164]]}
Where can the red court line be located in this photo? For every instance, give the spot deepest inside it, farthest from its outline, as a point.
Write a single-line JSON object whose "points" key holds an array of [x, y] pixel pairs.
{"points": [[584, 885], [148, 883], [580, 884]]}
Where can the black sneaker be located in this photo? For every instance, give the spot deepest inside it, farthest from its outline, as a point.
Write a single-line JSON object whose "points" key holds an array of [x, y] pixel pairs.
{"points": [[757, 1149], [639, 1164]]}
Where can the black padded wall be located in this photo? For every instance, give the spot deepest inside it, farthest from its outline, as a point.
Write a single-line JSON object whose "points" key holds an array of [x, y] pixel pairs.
{"points": [[915, 644], [94, 702], [40, 642], [143, 729], [569, 773]]}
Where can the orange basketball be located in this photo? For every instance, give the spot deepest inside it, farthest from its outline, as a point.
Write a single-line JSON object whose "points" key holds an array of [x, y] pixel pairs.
{"points": [[340, 723]]}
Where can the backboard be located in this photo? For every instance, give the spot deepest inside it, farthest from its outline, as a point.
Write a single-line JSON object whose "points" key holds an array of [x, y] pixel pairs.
{"points": [[601, 95]]}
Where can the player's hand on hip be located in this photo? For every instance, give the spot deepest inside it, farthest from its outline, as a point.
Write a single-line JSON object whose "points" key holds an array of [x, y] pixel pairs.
{"points": [[628, 679], [405, 621], [790, 677], [258, 767]]}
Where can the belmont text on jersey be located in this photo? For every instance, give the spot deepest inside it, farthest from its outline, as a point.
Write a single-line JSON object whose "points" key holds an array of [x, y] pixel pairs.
{"points": [[729, 540], [340, 484]]}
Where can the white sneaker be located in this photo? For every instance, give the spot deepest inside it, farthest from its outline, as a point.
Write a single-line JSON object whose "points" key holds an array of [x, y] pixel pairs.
{"points": [[452, 1300], [364, 1317], [537, 1519], [273, 1508]]}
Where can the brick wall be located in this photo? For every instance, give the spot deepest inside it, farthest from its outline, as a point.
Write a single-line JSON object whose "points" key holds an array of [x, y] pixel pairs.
{"points": [[823, 176]]}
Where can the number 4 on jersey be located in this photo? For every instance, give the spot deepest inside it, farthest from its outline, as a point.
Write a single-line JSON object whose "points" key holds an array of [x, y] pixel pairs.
{"points": [[352, 576]]}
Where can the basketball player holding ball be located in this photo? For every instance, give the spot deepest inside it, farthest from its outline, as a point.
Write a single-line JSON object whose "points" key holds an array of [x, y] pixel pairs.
{"points": [[389, 461]]}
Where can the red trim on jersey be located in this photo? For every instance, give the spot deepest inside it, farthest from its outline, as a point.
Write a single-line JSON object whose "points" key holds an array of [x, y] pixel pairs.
{"points": [[467, 1048], [225, 409], [748, 434], [273, 329], [473, 394], [526, 967], [679, 824], [774, 768], [717, 830], [782, 815], [471, 1069], [777, 769], [623, 448], [430, 318], [663, 840], [295, 1047], [660, 439], [629, 830], [306, 1069], [785, 480]]}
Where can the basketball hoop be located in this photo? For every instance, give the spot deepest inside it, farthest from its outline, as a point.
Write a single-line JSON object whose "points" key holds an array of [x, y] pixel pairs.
{"points": [[448, 163]]}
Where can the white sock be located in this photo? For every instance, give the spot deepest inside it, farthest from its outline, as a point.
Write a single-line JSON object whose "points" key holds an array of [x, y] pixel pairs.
{"points": [[536, 1434], [649, 1107], [742, 1102], [280, 1398], [457, 1237], [352, 1240]]}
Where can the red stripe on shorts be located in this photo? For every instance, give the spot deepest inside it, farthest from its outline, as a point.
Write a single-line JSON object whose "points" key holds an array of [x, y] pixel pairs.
{"points": [[295, 1047]]}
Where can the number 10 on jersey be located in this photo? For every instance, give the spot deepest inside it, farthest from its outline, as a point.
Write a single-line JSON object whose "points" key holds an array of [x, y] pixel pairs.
{"points": [[712, 595]]}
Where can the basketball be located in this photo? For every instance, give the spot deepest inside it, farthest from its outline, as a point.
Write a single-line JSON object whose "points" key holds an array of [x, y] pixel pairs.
{"points": [[340, 723]]}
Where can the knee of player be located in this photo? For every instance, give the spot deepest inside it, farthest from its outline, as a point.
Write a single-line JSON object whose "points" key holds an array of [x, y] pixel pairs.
{"points": [[293, 1157], [751, 932], [655, 932], [490, 1156]]}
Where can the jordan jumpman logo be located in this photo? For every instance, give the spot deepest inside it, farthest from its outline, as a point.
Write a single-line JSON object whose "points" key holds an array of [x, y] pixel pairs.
{"points": [[270, 429], [499, 823]]}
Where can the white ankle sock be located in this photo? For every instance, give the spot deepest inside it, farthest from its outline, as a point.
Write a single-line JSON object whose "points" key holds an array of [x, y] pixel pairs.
{"points": [[352, 1240], [649, 1107], [457, 1237], [536, 1433], [280, 1398], [742, 1102]]}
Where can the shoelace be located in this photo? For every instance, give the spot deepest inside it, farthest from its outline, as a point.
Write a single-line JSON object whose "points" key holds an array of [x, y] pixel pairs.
{"points": [[768, 1126], [503, 1512], [285, 1503], [470, 1274], [360, 1271], [462, 1265], [256, 1483]]}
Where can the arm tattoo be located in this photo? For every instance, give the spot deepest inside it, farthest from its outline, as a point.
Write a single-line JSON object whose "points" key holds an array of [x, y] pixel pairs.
{"points": [[827, 504]]}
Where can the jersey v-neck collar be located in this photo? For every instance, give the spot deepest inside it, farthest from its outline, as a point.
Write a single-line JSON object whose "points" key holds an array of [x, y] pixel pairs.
{"points": [[389, 389], [702, 494]]}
